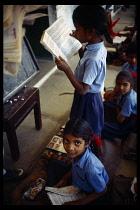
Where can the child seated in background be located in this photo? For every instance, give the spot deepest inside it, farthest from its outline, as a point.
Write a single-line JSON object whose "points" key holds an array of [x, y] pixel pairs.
{"points": [[130, 65], [125, 109]]}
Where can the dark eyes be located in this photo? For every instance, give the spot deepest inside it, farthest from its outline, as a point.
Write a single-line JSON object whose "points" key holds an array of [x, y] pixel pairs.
{"points": [[131, 57], [77, 142], [66, 141], [124, 84]]}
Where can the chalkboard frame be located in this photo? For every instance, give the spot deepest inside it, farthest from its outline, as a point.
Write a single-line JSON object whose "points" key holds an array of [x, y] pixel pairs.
{"points": [[17, 88]]}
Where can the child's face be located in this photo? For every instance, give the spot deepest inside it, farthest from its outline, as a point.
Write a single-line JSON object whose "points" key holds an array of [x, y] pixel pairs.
{"points": [[132, 59], [123, 86], [81, 34], [74, 146]]}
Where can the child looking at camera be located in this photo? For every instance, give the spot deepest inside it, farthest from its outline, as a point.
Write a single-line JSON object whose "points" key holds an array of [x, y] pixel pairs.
{"points": [[91, 24], [130, 65], [125, 109], [87, 172]]}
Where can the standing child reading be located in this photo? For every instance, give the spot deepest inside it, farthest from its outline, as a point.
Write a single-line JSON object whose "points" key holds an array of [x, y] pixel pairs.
{"points": [[126, 109], [88, 79], [87, 172]]}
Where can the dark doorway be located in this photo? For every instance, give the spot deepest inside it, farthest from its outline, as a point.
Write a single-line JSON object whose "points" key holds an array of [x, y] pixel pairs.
{"points": [[34, 33]]}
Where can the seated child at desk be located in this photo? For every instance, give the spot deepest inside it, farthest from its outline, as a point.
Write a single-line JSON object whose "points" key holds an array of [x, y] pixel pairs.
{"points": [[87, 172], [125, 108]]}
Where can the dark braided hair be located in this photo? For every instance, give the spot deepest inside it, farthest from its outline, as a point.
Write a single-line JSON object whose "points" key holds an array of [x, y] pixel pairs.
{"points": [[92, 16], [127, 75], [132, 49], [81, 129]]}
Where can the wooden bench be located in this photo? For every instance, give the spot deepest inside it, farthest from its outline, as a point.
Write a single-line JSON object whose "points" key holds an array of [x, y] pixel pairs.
{"points": [[16, 110]]}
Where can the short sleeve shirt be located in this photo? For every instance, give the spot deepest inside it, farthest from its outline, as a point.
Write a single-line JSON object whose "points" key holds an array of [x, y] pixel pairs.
{"points": [[88, 173], [132, 69], [126, 66], [128, 103], [91, 69]]}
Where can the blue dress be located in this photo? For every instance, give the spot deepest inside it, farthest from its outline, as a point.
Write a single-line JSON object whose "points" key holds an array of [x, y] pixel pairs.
{"points": [[128, 105], [88, 173], [91, 70]]}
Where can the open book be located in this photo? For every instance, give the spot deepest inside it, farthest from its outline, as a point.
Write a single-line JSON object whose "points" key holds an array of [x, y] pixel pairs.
{"points": [[57, 40], [56, 143], [58, 196], [118, 40]]}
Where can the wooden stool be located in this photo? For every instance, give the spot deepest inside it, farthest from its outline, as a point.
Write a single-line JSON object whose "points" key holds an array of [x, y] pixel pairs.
{"points": [[16, 111]]}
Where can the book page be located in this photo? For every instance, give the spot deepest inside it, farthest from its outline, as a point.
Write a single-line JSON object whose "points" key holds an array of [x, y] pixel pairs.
{"points": [[56, 143], [118, 40], [59, 32], [29, 19], [60, 199], [30, 8], [49, 45], [68, 190], [7, 16], [13, 36]]}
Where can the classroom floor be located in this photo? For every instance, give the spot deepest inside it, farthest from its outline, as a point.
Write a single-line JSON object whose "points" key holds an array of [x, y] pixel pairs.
{"points": [[56, 95]]}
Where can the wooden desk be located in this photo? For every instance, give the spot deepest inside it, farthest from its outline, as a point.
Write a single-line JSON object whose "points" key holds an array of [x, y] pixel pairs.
{"points": [[14, 113]]}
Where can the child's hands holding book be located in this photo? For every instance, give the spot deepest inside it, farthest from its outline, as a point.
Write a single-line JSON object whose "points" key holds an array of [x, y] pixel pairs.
{"points": [[62, 64]]}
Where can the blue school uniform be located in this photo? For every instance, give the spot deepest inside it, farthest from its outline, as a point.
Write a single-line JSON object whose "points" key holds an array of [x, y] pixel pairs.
{"points": [[133, 70], [128, 106], [91, 70], [128, 103], [127, 66], [88, 173]]}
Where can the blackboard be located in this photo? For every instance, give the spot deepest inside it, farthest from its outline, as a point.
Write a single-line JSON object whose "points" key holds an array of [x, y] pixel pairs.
{"points": [[28, 69]]}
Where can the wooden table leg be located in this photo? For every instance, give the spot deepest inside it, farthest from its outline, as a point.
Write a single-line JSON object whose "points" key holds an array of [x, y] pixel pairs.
{"points": [[13, 143], [37, 116], [14, 114]]}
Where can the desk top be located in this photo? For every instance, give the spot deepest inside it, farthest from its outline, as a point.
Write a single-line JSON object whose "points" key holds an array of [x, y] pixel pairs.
{"points": [[18, 100]]}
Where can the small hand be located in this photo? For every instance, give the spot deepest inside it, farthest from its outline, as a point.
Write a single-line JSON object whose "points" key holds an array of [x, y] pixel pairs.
{"points": [[74, 34], [61, 64]]}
